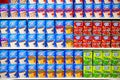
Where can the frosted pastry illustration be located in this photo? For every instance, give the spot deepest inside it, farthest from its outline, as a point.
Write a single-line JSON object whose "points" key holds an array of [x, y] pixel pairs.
{"points": [[50, 30], [13, 30], [69, 1], [4, 14], [59, 1], [50, 44], [59, 14], [13, 1], [4, 30], [14, 14], [31, 73], [50, 14], [41, 43], [98, 1], [22, 30], [22, 60], [88, 1], [32, 1], [22, 74], [13, 43], [23, 13], [12, 74], [40, 30], [32, 30], [116, 1], [3, 74], [32, 14], [107, 1], [3, 61], [50, 1], [59, 44], [22, 43], [23, 1], [31, 43], [42, 1], [13, 60]]}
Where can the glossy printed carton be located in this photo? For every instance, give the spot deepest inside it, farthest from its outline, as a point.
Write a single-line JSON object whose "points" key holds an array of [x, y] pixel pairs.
{"points": [[4, 26], [59, 26], [107, 70], [106, 41], [115, 71], [3, 70], [22, 56], [78, 39], [87, 72], [31, 70], [69, 40], [31, 56], [59, 10], [107, 57], [69, 26], [4, 57], [97, 10], [116, 10], [78, 68], [87, 41], [60, 59], [13, 58], [59, 40], [22, 70], [41, 59], [96, 41], [97, 57], [78, 57], [69, 70], [87, 56], [41, 70], [4, 40], [97, 71], [50, 57], [115, 27], [78, 10], [51, 70], [69, 59], [115, 57], [12, 70], [60, 70], [115, 41], [41, 10]]}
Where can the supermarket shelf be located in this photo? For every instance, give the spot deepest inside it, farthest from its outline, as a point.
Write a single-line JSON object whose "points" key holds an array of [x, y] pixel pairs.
{"points": [[56, 18], [63, 78], [56, 48]]}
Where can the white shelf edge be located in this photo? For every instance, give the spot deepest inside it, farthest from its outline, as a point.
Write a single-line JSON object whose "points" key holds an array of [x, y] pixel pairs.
{"points": [[53, 18], [56, 48], [61, 78]]}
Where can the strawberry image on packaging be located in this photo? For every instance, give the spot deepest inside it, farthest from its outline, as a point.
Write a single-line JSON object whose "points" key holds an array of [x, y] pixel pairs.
{"points": [[87, 41], [59, 10], [116, 10], [78, 41], [97, 10], [78, 10]]}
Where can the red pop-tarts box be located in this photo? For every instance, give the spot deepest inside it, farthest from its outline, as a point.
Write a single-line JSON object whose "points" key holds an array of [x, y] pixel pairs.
{"points": [[106, 26], [78, 40], [115, 25], [115, 41], [105, 41], [87, 40], [87, 25], [96, 41]]}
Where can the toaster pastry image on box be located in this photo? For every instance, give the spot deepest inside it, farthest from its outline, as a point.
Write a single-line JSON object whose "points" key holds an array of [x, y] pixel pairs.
{"points": [[4, 26], [41, 57], [51, 70], [40, 26], [13, 56], [12, 70], [31, 56], [31, 70], [22, 25], [41, 70], [4, 10], [4, 40], [60, 70], [22, 56], [60, 56]]}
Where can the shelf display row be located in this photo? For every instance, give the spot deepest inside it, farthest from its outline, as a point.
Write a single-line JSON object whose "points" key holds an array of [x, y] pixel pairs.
{"points": [[60, 33], [60, 10], [60, 63], [63, 1]]}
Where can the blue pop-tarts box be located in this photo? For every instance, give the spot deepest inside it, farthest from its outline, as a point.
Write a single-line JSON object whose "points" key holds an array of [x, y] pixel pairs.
{"points": [[59, 8], [41, 26], [88, 10], [41, 40], [50, 38], [3, 56], [4, 26], [3, 70], [41, 10], [50, 13], [115, 10], [69, 54], [41, 70], [31, 40], [12, 70], [23, 10], [13, 25], [59, 26], [41, 57], [22, 26], [60, 70], [68, 10], [22, 70], [22, 56], [4, 40], [69, 40], [98, 10], [13, 38], [78, 57], [78, 70], [50, 26], [22, 40], [59, 40], [107, 10], [31, 26], [78, 10], [31, 56], [4, 10], [69, 26], [32, 10], [50, 57], [13, 56], [14, 10], [60, 56], [50, 70], [32, 70], [69, 70]]}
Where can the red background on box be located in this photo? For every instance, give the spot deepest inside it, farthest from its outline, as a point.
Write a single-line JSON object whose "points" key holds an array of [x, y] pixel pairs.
{"points": [[3, 1]]}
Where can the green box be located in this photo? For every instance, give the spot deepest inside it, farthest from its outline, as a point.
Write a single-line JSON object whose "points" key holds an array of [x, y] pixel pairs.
{"points": [[97, 57], [107, 56], [107, 70], [87, 71], [97, 71], [115, 58], [115, 75], [87, 57], [115, 69]]}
